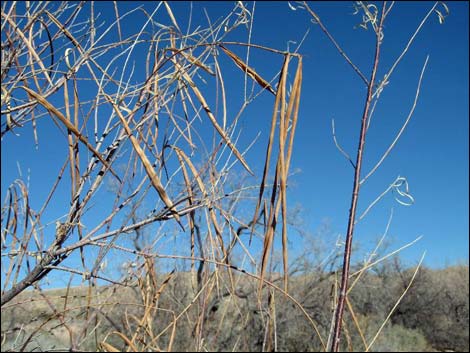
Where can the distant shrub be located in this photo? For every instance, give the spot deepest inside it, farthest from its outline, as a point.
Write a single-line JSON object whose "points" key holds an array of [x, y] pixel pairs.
{"points": [[396, 338], [438, 305]]}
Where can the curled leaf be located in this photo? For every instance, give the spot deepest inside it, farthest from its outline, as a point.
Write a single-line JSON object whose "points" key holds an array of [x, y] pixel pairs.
{"points": [[293, 8], [401, 187]]}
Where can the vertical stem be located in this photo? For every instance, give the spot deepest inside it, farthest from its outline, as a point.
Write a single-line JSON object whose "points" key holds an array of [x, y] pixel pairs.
{"points": [[355, 195]]}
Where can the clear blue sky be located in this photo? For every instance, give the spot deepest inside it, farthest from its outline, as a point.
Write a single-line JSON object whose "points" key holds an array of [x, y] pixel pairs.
{"points": [[432, 153]]}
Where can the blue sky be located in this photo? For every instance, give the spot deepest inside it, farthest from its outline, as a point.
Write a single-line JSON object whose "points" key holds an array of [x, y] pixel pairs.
{"points": [[432, 153]]}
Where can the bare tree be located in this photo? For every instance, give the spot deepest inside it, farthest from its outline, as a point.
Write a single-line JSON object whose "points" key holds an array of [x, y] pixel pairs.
{"points": [[139, 127], [373, 17], [158, 175]]}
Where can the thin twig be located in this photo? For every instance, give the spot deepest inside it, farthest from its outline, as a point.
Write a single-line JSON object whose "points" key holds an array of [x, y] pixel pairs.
{"points": [[397, 303], [402, 129], [331, 38]]}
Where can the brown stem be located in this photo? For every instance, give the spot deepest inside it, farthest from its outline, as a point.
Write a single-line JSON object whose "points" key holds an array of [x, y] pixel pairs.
{"points": [[355, 196], [32, 277]]}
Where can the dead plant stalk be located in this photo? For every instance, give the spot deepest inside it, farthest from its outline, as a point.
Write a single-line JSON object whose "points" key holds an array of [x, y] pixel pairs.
{"points": [[355, 193]]}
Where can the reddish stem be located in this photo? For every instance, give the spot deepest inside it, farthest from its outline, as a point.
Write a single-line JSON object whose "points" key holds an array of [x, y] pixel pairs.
{"points": [[355, 196]]}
